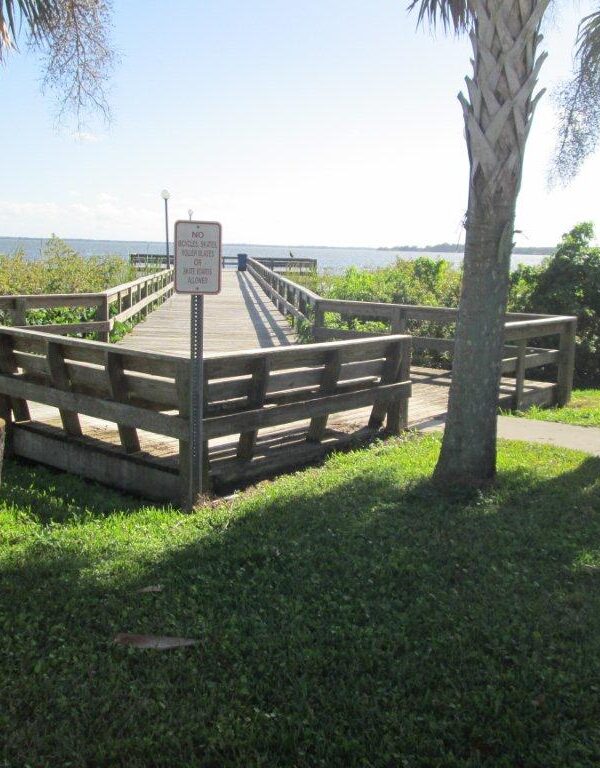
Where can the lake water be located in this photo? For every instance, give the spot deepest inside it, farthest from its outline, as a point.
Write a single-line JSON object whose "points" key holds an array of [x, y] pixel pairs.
{"points": [[333, 259]]}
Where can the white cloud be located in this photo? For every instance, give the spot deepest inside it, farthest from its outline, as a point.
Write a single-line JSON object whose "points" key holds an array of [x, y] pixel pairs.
{"points": [[99, 219], [86, 137], [105, 197]]}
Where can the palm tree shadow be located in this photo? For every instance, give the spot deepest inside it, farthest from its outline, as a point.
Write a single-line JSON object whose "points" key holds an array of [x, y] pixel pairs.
{"points": [[351, 609]]}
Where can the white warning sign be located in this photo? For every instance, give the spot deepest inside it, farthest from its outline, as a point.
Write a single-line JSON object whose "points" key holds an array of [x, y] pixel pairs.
{"points": [[197, 257]]}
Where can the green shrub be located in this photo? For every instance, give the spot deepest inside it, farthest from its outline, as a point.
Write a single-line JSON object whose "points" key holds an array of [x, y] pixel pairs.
{"points": [[523, 282], [568, 283], [426, 281], [60, 270], [423, 280]]}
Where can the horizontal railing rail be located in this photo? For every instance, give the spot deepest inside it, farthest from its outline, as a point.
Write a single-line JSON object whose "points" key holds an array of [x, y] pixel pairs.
{"points": [[291, 264], [150, 260], [289, 297], [311, 310], [286, 264], [141, 392], [136, 297]]}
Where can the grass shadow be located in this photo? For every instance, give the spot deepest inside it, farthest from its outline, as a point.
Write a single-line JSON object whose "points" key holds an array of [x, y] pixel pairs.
{"points": [[351, 615]]}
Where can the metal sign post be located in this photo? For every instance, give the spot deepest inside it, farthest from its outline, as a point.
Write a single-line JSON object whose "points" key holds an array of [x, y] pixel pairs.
{"points": [[197, 272], [196, 397]]}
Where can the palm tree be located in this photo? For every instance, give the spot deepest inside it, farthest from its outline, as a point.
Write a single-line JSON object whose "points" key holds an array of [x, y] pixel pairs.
{"points": [[498, 112]]}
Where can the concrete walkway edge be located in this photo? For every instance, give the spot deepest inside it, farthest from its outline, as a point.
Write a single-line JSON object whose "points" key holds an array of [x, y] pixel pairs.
{"points": [[586, 439]]}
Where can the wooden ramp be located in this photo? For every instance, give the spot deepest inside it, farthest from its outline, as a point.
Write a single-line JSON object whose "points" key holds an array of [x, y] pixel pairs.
{"points": [[240, 317]]}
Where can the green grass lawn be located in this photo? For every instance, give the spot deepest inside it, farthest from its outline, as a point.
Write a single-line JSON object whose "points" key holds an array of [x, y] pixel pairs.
{"points": [[583, 410], [348, 615]]}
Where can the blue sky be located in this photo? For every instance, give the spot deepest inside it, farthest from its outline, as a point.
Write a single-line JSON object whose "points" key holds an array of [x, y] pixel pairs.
{"points": [[320, 123]]}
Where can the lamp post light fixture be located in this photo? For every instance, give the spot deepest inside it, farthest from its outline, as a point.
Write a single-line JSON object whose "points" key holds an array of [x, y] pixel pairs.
{"points": [[165, 196], [190, 213]]}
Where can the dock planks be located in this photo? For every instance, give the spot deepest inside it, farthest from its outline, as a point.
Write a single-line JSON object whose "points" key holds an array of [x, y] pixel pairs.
{"points": [[240, 317]]}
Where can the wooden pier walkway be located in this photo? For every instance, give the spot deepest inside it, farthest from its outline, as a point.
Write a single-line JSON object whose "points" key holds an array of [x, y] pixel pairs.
{"points": [[243, 317], [240, 317], [119, 413]]}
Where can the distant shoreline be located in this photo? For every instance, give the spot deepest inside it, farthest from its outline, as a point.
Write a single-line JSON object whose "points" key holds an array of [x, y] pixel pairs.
{"points": [[533, 250], [330, 258], [440, 248]]}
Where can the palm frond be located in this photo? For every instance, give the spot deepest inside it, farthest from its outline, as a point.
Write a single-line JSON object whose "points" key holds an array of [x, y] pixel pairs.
{"points": [[453, 15], [588, 42], [36, 15], [578, 102]]}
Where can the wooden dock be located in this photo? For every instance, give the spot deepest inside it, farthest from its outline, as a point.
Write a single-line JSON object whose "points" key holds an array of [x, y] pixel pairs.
{"points": [[240, 317], [119, 413], [244, 317]]}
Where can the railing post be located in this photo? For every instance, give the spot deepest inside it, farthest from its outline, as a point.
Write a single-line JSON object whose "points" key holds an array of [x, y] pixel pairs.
{"points": [[276, 289], [319, 321], [329, 384], [8, 364], [302, 304], [389, 375], [182, 382], [398, 321], [256, 398], [294, 300], [282, 294], [403, 375], [117, 385], [520, 374], [144, 288], [59, 376], [19, 312], [566, 362], [103, 314]]}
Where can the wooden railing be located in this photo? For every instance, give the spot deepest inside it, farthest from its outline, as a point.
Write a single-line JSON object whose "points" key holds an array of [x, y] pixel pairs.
{"points": [[142, 393], [133, 298], [289, 297], [522, 357], [156, 261], [150, 261], [310, 309], [292, 264]]}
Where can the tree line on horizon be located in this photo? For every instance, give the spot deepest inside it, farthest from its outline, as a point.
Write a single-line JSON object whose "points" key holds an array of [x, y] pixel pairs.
{"points": [[456, 248]]}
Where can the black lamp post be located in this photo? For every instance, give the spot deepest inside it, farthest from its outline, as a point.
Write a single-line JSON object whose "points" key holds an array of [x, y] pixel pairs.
{"points": [[165, 196]]}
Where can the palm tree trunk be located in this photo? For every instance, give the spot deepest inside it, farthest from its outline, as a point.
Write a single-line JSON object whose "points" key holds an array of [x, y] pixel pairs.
{"points": [[498, 116]]}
